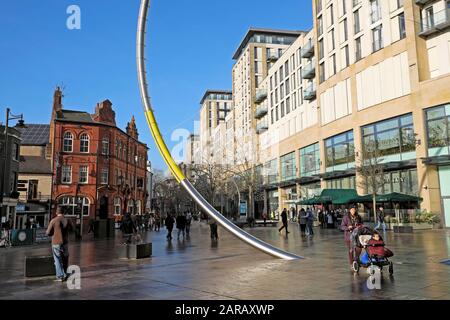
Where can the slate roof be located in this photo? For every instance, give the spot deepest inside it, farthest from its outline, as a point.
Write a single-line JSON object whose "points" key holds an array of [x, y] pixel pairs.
{"points": [[35, 134], [76, 116], [34, 164]]}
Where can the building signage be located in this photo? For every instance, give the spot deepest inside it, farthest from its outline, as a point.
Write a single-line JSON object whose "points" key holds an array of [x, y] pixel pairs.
{"points": [[243, 208]]}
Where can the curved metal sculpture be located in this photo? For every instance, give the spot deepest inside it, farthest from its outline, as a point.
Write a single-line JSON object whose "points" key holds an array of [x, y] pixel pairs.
{"points": [[177, 173]]}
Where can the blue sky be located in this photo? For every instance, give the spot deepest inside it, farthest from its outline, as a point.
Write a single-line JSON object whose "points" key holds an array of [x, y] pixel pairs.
{"points": [[191, 43]]}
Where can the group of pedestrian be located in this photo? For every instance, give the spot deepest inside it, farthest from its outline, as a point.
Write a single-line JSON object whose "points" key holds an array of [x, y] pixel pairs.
{"points": [[305, 220], [183, 223], [329, 218]]}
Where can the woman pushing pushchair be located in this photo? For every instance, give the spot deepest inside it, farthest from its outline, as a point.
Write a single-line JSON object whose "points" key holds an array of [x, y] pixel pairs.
{"points": [[359, 237]]}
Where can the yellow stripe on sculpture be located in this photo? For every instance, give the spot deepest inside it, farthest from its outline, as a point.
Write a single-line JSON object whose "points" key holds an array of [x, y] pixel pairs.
{"points": [[177, 173]]}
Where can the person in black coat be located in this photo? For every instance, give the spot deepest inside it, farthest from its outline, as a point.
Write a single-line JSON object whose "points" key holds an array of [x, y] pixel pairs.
{"points": [[128, 228], [181, 225], [169, 222], [284, 220]]}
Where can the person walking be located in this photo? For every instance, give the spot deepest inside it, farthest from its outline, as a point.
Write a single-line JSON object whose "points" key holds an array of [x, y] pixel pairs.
{"points": [[351, 221], [380, 219], [213, 229], [169, 222], [91, 225], [128, 228], [293, 214], [157, 222], [284, 220], [309, 222], [302, 221], [59, 228], [181, 225], [330, 220], [264, 216], [321, 217], [188, 222]]}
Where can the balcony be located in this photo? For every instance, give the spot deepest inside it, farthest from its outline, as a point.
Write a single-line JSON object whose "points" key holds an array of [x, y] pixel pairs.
{"points": [[261, 111], [308, 50], [261, 95], [435, 23], [309, 72], [422, 2], [310, 93], [261, 127], [272, 57]]}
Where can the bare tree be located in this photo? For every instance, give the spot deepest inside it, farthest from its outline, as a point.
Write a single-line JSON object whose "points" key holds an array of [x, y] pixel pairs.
{"points": [[371, 170]]}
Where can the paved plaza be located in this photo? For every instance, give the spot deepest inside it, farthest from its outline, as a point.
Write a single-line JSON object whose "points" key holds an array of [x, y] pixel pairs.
{"points": [[197, 269]]}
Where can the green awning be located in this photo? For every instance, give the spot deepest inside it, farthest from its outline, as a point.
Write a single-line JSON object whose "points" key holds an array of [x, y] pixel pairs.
{"points": [[391, 197], [398, 197], [338, 196]]}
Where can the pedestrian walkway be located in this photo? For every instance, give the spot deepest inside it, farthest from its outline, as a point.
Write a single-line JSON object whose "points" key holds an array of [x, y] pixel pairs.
{"points": [[229, 269]]}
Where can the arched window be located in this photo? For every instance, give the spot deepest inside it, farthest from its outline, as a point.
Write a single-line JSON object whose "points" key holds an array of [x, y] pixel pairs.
{"points": [[117, 206], [68, 142], [130, 206], [84, 143]]}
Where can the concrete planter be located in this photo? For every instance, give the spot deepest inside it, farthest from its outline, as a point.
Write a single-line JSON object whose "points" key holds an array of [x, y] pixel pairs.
{"points": [[39, 266], [410, 227], [135, 251]]}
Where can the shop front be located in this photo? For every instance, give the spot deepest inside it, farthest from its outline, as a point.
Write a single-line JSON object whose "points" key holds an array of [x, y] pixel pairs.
{"points": [[273, 204]]}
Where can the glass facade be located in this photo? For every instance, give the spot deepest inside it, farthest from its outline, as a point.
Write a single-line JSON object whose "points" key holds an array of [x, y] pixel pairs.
{"points": [[342, 183], [438, 130], [310, 190], [340, 152], [310, 160], [288, 167], [271, 171], [394, 138], [403, 181]]}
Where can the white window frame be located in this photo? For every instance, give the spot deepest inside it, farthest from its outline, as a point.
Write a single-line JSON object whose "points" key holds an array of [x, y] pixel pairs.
{"points": [[104, 178], [68, 137], [83, 169], [84, 139], [64, 174], [105, 146]]}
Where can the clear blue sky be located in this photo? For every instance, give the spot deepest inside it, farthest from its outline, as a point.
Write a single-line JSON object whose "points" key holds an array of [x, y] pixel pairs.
{"points": [[191, 43]]}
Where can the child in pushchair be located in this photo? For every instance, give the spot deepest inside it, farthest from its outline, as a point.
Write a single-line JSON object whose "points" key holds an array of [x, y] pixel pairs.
{"points": [[374, 253]]}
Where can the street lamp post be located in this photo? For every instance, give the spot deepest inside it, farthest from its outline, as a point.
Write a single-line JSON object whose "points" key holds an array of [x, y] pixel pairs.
{"points": [[20, 124]]}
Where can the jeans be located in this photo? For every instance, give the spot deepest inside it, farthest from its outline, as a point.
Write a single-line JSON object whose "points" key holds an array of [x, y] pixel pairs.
{"points": [[61, 257], [309, 228], [381, 224], [180, 231]]}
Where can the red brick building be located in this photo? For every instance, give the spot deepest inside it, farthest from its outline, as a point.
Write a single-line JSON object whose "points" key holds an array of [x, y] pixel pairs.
{"points": [[98, 169]]}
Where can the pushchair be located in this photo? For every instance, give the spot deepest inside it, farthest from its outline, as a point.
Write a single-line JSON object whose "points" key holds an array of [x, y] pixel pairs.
{"points": [[371, 255]]}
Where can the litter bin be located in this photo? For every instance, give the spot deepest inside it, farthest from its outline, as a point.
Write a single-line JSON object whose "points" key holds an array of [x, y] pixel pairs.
{"points": [[100, 229]]}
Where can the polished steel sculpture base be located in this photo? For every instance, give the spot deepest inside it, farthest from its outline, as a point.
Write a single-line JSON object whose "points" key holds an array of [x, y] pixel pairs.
{"points": [[177, 173]]}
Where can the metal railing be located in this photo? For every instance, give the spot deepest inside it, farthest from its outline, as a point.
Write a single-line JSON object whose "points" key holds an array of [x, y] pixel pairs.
{"points": [[310, 92], [435, 22], [307, 50], [309, 71], [261, 111], [261, 95]]}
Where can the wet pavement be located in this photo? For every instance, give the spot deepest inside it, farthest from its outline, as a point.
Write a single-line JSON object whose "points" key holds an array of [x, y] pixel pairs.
{"points": [[198, 268]]}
